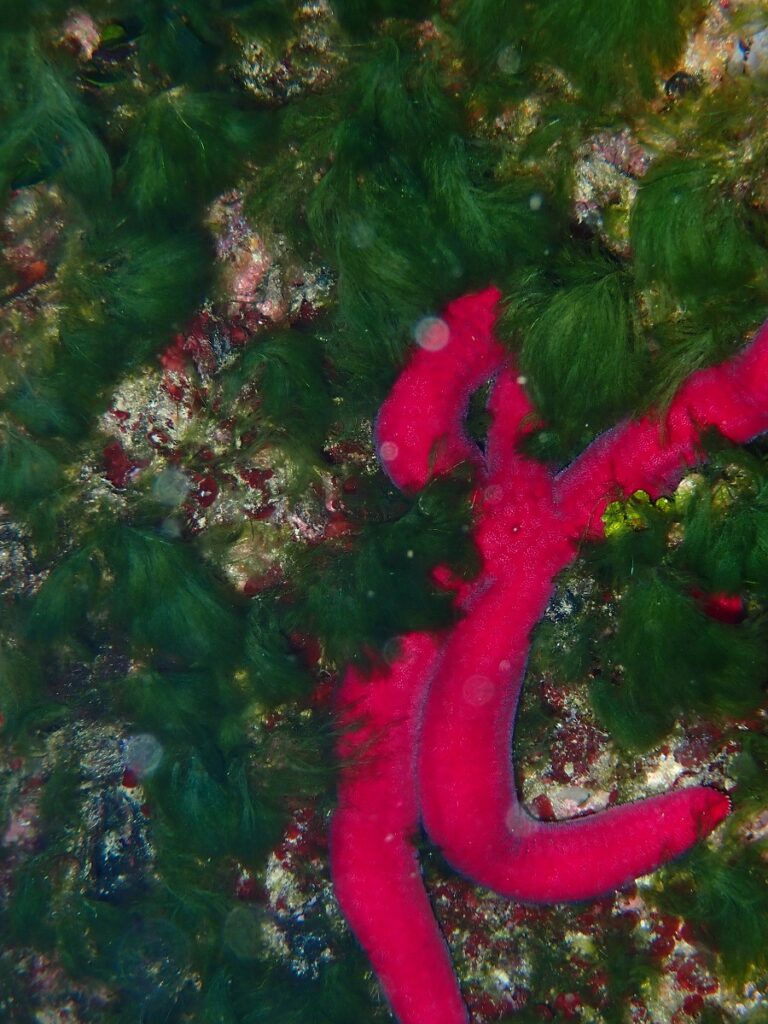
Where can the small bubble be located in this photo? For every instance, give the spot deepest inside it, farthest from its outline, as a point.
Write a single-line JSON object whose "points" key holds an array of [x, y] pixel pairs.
{"points": [[152, 959], [478, 690], [389, 451], [522, 379], [432, 333], [361, 235], [142, 754], [536, 201], [371, 594], [409, 553], [242, 933], [505, 666], [170, 528], [757, 59], [509, 60], [389, 837], [391, 651], [171, 487]]}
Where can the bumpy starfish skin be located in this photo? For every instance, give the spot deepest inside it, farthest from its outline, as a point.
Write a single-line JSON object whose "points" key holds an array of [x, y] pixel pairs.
{"points": [[373, 861], [428, 737]]}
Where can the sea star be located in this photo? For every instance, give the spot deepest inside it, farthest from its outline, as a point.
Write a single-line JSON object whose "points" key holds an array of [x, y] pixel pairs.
{"points": [[426, 738]]}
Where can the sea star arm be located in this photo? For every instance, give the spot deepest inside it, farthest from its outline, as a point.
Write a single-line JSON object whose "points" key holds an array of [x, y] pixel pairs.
{"points": [[374, 864], [420, 427], [512, 417], [469, 805], [651, 455]]}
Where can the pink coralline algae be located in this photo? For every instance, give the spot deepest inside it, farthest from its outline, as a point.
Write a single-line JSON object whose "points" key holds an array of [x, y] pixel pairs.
{"points": [[426, 737]]}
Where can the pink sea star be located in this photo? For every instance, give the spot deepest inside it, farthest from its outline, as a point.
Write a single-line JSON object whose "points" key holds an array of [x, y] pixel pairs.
{"points": [[427, 737]]}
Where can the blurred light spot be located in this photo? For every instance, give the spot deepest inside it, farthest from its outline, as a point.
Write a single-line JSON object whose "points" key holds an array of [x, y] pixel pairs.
{"points": [[432, 333], [388, 451], [142, 754], [391, 651], [171, 487], [361, 235], [151, 963], [170, 528], [242, 933], [477, 691], [509, 60]]}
